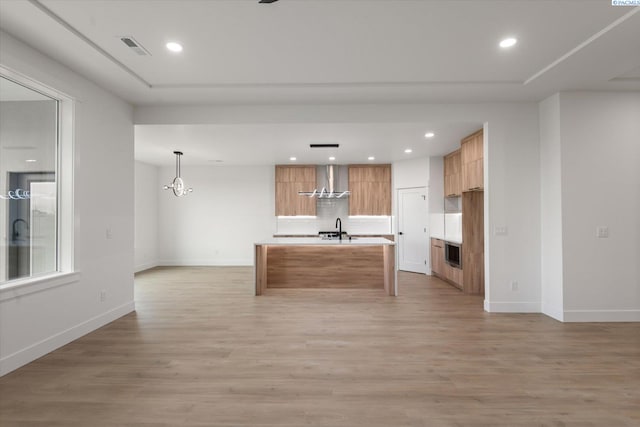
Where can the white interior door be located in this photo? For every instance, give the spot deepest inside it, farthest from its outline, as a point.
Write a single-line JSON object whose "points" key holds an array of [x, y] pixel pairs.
{"points": [[413, 236]]}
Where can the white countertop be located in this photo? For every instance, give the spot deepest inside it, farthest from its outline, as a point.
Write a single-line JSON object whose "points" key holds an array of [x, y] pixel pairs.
{"points": [[304, 241], [279, 235]]}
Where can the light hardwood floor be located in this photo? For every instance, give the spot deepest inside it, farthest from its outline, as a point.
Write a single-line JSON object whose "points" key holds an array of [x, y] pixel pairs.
{"points": [[201, 350]]}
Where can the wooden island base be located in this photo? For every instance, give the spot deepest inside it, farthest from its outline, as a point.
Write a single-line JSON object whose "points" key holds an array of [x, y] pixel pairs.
{"points": [[337, 266]]}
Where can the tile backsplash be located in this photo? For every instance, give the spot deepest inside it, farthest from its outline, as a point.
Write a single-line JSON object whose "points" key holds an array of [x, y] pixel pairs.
{"points": [[327, 212], [453, 227]]}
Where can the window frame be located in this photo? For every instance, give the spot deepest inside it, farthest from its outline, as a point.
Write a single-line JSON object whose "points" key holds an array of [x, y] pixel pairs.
{"points": [[65, 269]]}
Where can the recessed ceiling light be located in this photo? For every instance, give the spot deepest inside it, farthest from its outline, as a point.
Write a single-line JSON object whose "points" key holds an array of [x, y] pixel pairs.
{"points": [[293, 159], [174, 47], [429, 135], [408, 150], [371, 158], [31, 160], [508, 42], [332, 158]]}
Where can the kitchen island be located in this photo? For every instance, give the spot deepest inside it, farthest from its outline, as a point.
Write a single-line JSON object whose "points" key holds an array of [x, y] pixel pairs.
{"points": [[313, 263]]}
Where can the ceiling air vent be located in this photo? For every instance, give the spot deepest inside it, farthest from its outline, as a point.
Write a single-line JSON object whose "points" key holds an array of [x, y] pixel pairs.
{"points": [[135, 46]]}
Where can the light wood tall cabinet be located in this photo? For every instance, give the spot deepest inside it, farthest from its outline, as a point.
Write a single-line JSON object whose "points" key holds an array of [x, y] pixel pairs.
{"points": [[464, 176], [370, 187], [472, 157], [290, 179], [453, 174], [473, 241]]}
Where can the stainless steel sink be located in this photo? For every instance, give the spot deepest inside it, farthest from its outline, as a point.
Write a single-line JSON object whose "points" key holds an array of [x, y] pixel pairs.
{"points": [[337, 238], [332, 235]]}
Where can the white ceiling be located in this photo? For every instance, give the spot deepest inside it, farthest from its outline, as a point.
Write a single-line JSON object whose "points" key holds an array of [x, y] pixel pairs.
{"points": [[330, 52], [253, 144]]}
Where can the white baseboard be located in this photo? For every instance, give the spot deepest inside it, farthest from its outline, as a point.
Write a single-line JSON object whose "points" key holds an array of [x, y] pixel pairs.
{"points": [[602, 315], [145, 266], [512, 307], [39, 349], [566, 315], [207, 262], [553, 311]]}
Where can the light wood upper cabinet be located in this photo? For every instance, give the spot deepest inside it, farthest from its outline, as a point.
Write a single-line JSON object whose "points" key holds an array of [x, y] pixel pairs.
{"points": [[289, 181], [472, 162], [370, 187], [453, 174]]}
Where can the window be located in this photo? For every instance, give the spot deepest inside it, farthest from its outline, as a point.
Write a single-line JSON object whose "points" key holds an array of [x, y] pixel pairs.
{"points": [[29, 183]]}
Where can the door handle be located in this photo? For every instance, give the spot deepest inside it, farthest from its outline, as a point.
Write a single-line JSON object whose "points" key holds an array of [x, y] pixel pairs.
{"points": [[400, 233]]}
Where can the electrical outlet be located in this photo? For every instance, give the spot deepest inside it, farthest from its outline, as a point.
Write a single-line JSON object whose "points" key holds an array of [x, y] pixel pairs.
{"points": [[602, 232], [109, 233], [514, 286], [103, 295]]}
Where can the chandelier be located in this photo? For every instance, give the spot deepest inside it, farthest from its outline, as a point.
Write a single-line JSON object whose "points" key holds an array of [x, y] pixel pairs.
{"points": [[177, 185]]}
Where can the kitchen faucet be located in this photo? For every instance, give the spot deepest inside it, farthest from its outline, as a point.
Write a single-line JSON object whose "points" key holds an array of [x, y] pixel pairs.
{"points": [[16, 230], [339, 227]]}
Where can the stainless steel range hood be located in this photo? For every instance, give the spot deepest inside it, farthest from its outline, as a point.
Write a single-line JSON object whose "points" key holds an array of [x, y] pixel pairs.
{"points": [[327, 183]]}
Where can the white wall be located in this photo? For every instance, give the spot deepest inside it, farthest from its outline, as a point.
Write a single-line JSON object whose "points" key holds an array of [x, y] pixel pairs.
{"points": [[512, 184], [436, 197], [512, 200], [147, 191], [230, 209], [551, 208], [411, 173], [36, 323], [600, 142]]}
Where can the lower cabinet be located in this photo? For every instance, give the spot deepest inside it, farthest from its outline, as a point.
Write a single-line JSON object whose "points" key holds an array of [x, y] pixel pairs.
{"points": [[437, 257], [440, 268], [453, 275]]}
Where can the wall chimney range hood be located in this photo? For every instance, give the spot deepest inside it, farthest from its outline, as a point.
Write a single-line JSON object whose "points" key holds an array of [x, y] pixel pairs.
{"points": [[328, 190]]}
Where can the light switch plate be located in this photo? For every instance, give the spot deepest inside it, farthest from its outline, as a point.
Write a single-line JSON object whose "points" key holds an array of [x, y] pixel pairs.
{"points": [[500, 231], [602, 232]]}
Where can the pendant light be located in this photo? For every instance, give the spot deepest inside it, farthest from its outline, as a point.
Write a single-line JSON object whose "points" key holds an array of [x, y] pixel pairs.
{"points": [[177, 185]]}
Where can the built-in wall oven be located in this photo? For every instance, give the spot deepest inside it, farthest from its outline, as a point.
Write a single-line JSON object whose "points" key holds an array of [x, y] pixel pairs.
{"points": [[453, 254]]}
